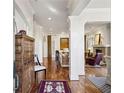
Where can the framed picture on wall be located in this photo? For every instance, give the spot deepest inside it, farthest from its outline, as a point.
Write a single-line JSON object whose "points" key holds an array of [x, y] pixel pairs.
{"points": [[96, 39], [64, 43]]}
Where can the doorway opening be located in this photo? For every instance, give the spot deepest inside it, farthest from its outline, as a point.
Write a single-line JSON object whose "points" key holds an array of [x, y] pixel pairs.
{"points": [[49, 46], [97, 45]]}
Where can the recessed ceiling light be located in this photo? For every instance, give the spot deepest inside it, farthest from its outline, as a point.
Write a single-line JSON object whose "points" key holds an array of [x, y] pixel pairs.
{"points": [[49, 18]]}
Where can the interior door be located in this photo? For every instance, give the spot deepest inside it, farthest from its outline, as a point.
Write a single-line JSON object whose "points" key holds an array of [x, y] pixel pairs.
{"points": [[49, 45]]}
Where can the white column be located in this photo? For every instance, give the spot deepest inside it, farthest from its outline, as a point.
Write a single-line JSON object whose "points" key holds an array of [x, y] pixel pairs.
{"points": [[76, 48]]}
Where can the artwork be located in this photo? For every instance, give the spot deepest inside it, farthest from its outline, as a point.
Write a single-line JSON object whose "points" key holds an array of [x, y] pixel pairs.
{"points": [[98, 39], [64, 43]]}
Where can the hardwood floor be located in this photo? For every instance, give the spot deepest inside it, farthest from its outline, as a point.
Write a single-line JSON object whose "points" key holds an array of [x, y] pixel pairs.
{"points": [[81, 86], [96, 71], [91, 72]]}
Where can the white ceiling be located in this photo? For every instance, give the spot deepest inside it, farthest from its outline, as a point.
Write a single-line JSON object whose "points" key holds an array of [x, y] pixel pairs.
{"points": [[58, 11], [54, 9]]}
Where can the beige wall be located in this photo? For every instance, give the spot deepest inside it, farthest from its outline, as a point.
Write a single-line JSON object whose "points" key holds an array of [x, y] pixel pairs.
{"points": [[23, 14]]}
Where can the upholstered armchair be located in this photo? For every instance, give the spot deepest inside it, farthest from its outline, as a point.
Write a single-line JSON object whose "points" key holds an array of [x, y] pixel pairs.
{"points": [[94, 60]]}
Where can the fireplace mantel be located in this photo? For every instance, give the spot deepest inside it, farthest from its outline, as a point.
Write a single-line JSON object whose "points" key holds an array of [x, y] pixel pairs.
{"points": [[106, 49], [101, 46]]}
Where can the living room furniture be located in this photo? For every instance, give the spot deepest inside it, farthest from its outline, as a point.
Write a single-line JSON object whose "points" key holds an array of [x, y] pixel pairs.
{"points": [[57, 57], [64, 59], [88, 54], [37, 70], [24, 61], [94, 60]]}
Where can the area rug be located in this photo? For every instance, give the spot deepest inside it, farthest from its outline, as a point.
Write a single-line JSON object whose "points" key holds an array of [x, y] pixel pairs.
{"points": [[49, 86], [100, 83]]}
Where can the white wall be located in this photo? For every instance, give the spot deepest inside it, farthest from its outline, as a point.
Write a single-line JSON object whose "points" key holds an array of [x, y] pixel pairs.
{"points": [[96, 15], [19, 22], [38, 32], [56, 42], [24, 16], [105, 31], [24, 20], [45, 47]]}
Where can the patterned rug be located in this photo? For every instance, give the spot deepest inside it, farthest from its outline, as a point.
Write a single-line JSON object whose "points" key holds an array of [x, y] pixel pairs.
{"points": [[49, 86], [100, 83]]}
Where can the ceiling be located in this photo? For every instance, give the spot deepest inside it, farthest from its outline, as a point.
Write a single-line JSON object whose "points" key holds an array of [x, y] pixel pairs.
{"points": [[52, 15]]}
